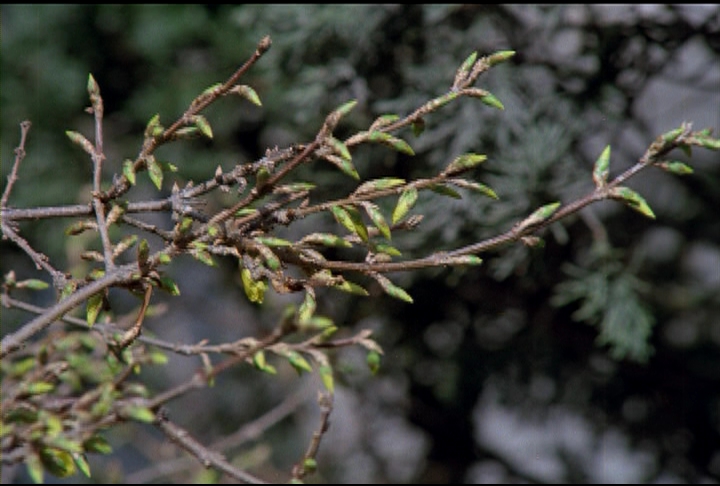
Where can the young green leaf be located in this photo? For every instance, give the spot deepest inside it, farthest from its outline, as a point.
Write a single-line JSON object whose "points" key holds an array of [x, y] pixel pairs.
{"points": [[373, 361], [58, 463], [326, 239], [675, 167], [154, 171], [34, 467], [82, 464], [349, 217], [632, 199], [539, 215], [500, 56], [79, 139], [298, 362], [272, 241], [343, 164], [339, 148], [93, 307], [394, 142], [491, 101], [464, 163], [391, 289], [168, 285], [202, 124], [248, 93], [387, 249], [129, 171], [308, 306], [378, 185], [405, 202], [203, 256], [445, 191], [377, 218], [97, 444], [351, 288], [152, 125], [345, 108], [602, 168], [139, 413], [383, 121], [326, 375], [32, 284], [255, 290]]}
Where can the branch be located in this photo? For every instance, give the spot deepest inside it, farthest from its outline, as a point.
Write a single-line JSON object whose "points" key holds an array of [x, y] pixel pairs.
{"points": [[19, 156], [207, 458]]}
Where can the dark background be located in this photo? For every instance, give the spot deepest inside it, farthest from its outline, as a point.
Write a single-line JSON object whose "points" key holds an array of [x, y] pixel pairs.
{"points": [[497, 373]]}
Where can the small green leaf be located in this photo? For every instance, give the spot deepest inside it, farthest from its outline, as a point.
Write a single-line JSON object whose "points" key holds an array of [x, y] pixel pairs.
{"points": [[350, 218], [154, 171], [373, 361], [326, 374], [445, 191], [58, 463], [92, 86], [490, 100], [97, 444], [169, 285], [442, 100], [34, 467], [204, 257], [672, 135], [79, 139], [343, 164], [211, 89], [464, 163], [339, 148], [539, 215], [500, 56], [474, 186], [326, 239], [248, 93], [310, 465], [632, 199], [298, 362], [405, 202], [260, 363], [271, 259], [709, 142], [202, 124], [129, 171], [82, 464], [255, 291], [468, 63], [377, 218], [394, 142], [164, 258], [351, 288], [383, 121], [33, 284], [139, 413], [602, 168], [93, 307], [391, 289], [272, 241], [345, 108], [387, 249], [39, 388], [316, 323], [675, 167], [379, 185], [152, 125], [308, 306]]}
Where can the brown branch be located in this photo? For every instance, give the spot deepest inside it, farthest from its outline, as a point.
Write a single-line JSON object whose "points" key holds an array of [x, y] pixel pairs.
{"points": [[207, 458], [16, 340], [40, 259], [301, 469], [19, 156]]}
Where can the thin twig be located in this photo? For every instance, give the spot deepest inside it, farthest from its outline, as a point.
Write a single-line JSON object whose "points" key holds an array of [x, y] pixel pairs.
{"points": [[19, 156], [301, 469], [207, 458]]}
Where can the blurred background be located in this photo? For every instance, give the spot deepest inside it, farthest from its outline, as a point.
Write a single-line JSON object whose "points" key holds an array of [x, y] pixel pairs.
{"points": [[595, 358]]}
